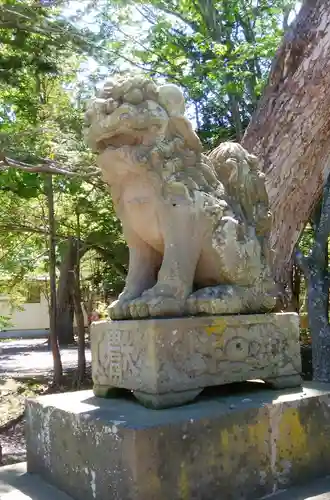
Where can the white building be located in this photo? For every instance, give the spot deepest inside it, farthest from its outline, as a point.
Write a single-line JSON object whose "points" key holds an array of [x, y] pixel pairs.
{"points": [[33, 313]]}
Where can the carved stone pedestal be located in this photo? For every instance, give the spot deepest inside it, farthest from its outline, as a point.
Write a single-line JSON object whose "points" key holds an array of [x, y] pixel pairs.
{"points": [[168, 362]]}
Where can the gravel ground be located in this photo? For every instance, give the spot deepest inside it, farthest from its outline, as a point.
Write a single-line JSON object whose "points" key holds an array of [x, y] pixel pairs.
{"points": [[25, 371], [32, 358], [12, 443]]}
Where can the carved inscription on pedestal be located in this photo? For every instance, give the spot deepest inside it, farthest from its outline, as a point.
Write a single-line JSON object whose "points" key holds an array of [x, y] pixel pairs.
{"points": [[159, 356], [115, 357]]}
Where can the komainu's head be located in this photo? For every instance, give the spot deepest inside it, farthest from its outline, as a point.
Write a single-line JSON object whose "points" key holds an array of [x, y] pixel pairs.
{"points": [[134, 110]]}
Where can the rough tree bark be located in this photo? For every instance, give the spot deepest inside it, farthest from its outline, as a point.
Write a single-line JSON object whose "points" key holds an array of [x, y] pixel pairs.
{"points": [[315, 268], [64, 306], [295, 287], [76, 293], [290, 131]]}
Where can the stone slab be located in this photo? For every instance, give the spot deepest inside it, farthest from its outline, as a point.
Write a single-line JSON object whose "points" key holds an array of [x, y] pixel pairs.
{"points": [[243, 446], [316, 490], [166, 362], [16, 484]]}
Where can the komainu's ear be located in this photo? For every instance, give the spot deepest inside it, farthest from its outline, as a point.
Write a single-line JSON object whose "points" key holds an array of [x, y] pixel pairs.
{"points": [[181, 126]]}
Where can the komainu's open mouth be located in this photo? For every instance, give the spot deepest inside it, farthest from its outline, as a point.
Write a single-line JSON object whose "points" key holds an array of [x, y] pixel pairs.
{"points": [[127, 110], [119, 140]]}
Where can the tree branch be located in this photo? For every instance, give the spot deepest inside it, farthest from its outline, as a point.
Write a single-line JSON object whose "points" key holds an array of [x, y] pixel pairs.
{"points": [[194, 26], [11, 228], [84, 245], [46, 167]]}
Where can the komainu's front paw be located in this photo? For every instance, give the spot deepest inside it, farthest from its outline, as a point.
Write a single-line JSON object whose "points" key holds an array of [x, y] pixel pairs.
{"points": [[119, 309], [138, 308], [156, 307]]}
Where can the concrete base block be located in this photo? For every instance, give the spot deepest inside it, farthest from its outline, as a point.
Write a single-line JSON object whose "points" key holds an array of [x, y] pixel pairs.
{"points": [[168, 362], [240, 447]]}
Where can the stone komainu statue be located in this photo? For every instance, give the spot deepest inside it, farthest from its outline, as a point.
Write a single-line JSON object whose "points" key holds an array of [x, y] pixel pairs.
{"points": [[197, 226]]}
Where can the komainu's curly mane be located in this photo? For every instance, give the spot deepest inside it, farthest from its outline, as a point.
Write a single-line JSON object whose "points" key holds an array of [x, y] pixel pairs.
{"points": [[245, 186]]}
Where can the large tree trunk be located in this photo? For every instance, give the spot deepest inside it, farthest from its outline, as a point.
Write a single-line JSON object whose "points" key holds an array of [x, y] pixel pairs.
{"points": [[315, 268], [65, 309], [290, 132]]}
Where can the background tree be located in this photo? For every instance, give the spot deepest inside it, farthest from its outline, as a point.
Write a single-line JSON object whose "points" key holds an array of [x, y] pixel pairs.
{"points": [[218, 51], [41, 124]]}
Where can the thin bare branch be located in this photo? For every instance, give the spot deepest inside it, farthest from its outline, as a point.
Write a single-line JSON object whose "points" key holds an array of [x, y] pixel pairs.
{"points": [[46, 167]]}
